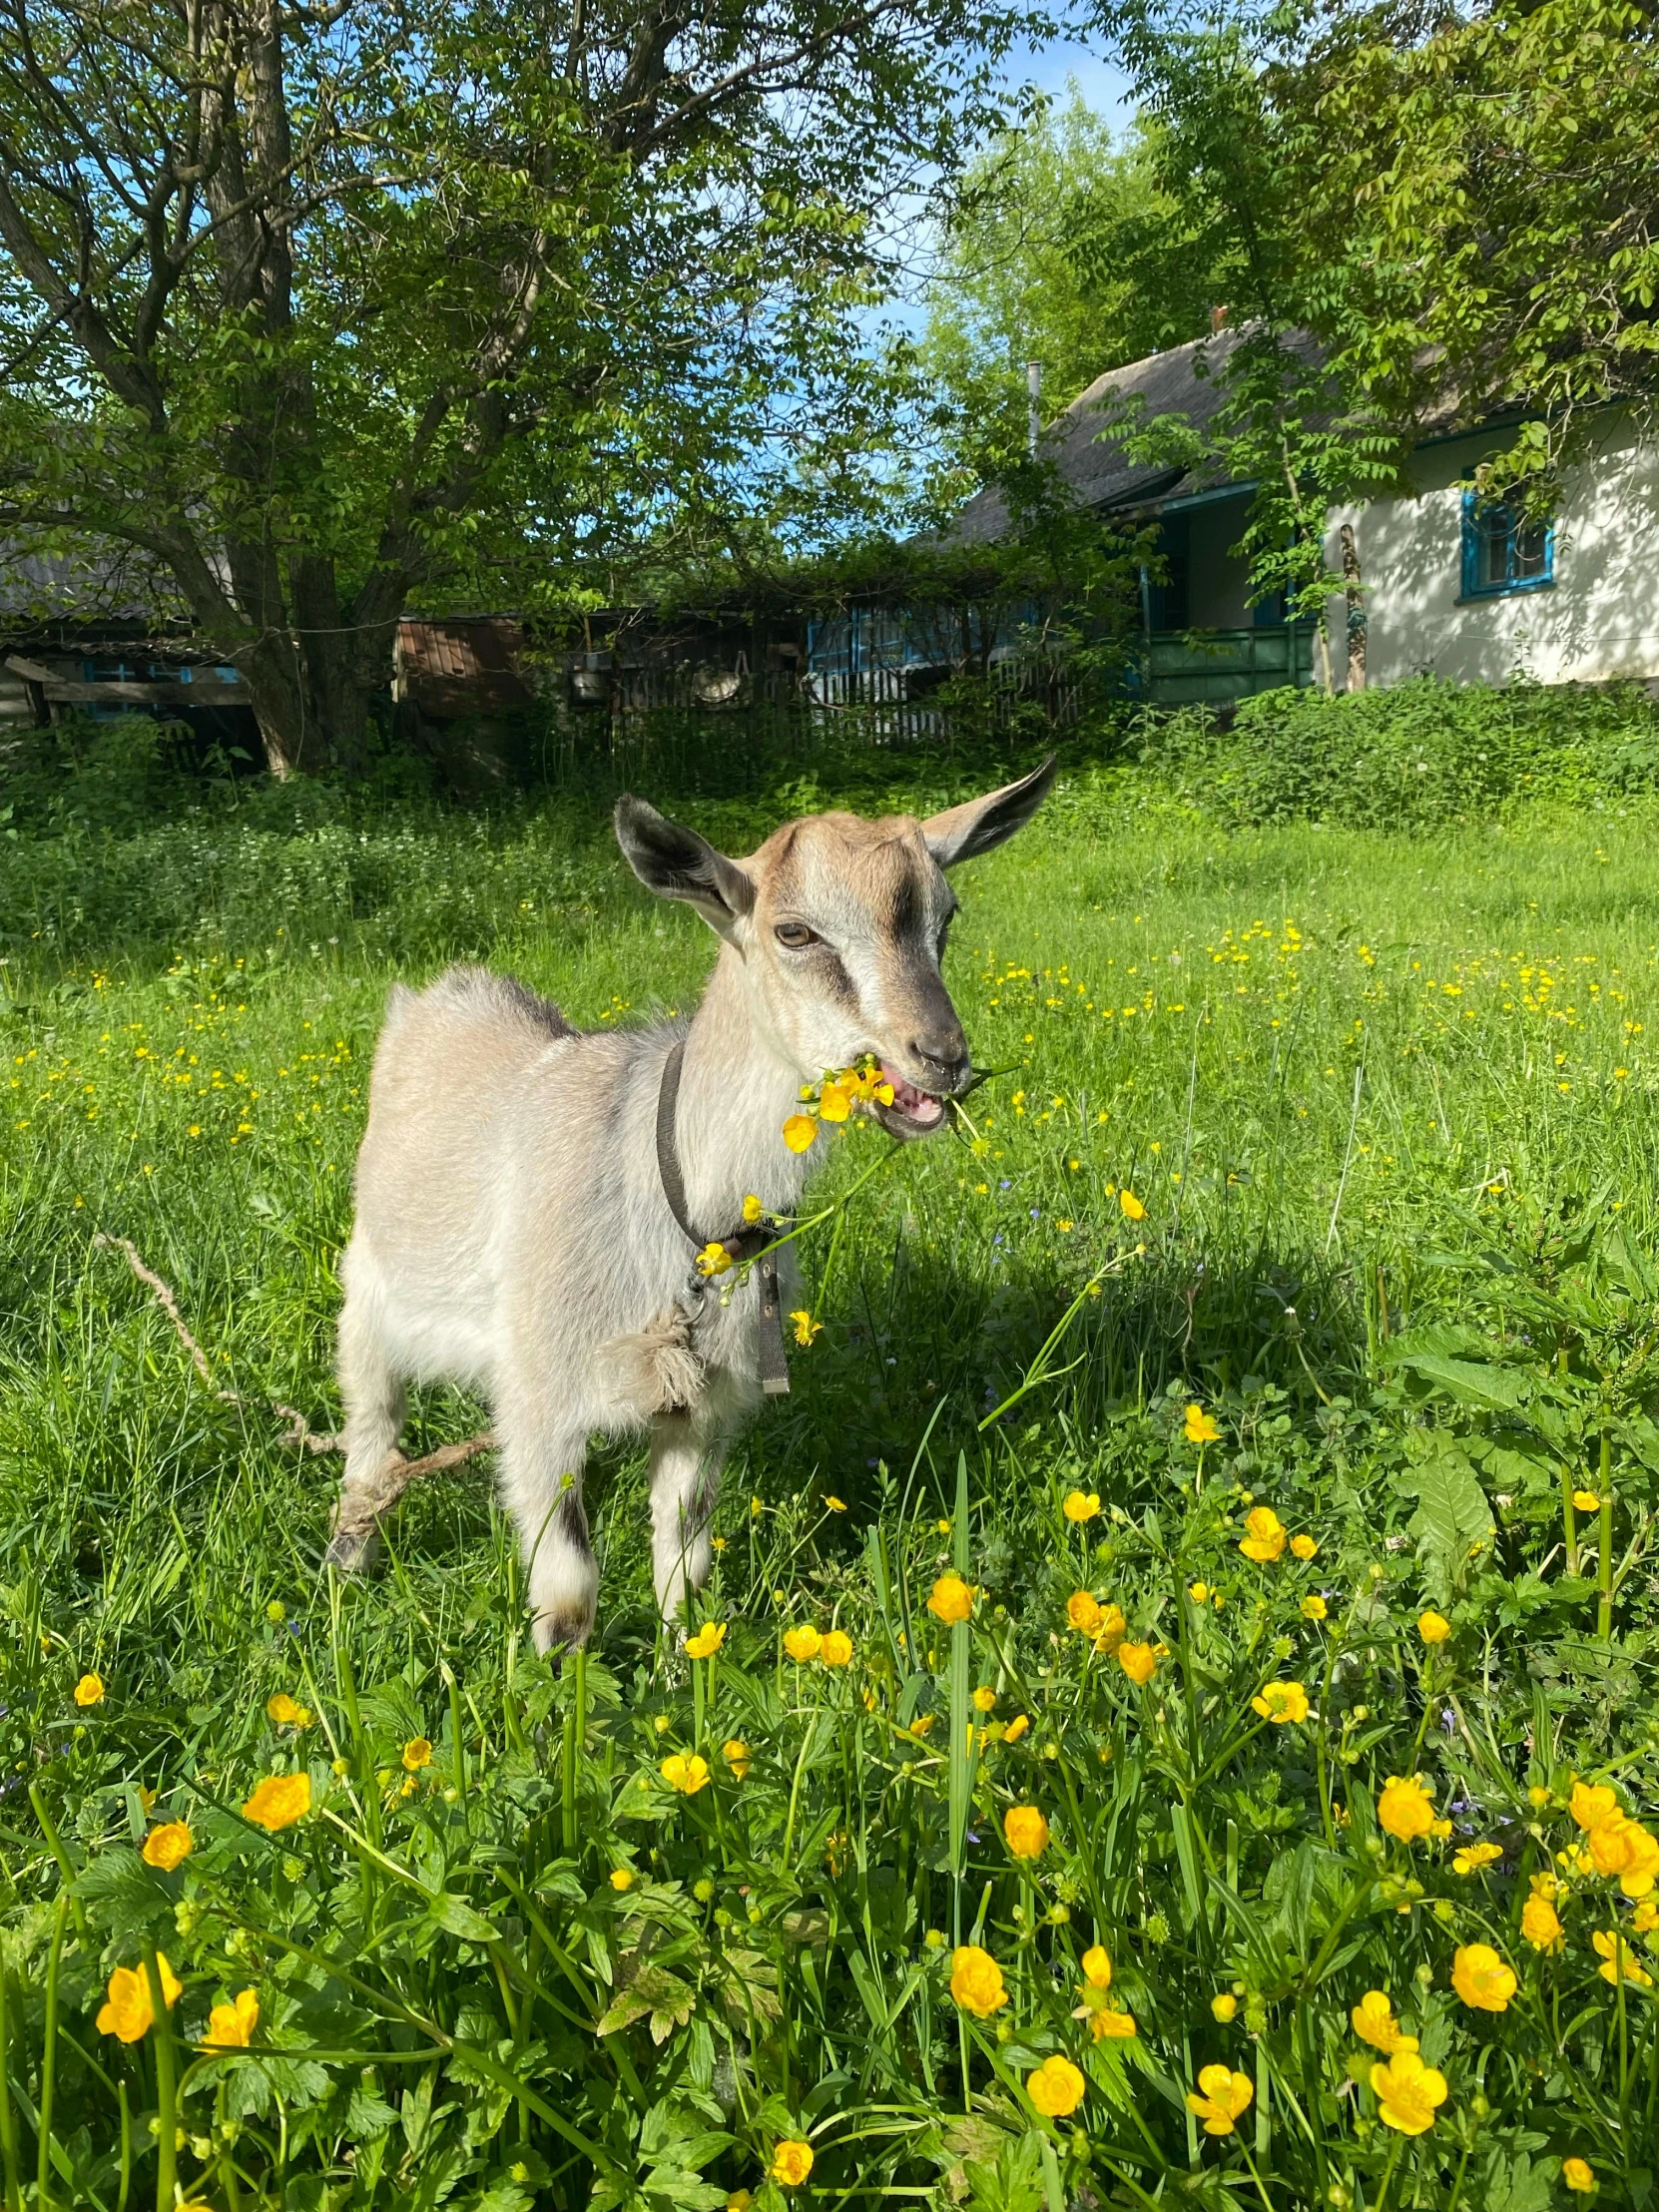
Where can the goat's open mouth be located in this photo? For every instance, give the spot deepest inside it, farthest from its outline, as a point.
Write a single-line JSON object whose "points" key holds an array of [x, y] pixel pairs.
{"points": [[913, 1113]]}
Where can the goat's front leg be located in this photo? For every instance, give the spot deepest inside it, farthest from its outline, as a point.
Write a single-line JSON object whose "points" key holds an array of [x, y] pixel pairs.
{"points": [[541, 1481], [687, 1451]]}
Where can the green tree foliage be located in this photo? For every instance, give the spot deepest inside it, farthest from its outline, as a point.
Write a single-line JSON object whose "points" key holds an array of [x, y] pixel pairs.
{"points": [[1064, 248], [1481, 192], [321, 310]]}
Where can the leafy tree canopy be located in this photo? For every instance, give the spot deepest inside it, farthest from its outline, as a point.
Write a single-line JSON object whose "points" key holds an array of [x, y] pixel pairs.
{"points": [[331, 308]]}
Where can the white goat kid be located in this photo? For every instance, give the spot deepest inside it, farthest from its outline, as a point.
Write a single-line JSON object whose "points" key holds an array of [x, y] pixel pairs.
{"points": [[513, 1230]]}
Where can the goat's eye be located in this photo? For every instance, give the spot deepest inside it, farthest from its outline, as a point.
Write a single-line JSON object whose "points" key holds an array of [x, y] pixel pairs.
{"points": [[795, 935]]}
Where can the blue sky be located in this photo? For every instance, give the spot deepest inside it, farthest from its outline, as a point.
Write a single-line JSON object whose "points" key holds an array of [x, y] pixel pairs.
{"points": [[1104, 87]]}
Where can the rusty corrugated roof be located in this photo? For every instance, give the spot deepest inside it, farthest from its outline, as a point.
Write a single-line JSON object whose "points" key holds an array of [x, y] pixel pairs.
{"points": [[462, 668]]}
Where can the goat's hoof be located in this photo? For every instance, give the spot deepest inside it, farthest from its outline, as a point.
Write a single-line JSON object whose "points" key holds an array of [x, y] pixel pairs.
{"points": [[352, 1548]]}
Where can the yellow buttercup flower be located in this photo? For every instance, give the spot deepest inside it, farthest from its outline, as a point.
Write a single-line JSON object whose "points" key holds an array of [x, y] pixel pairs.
{"points": [[1591, 1802], [1198, 1427], [1138, 1661], [168, 1844], [1133, 1210], [1540, 1923], [751, 1210], [1585, 1501], [1578, 2175], [792, 2162], [1409, 2093], [1374, 2023], [834, 1103], [984, 1698], [1433, 1627], [1224, 2008], [129, 2010], [1472, 1857], [834, 1505], [1281, 1702], [285, 1712], [714, 1260], [684, 1772], [834, 1647], [90, 1690], [737, 1756], [1083, 1611], [1617, 1958], [1200, 1594], [1078, 1507], [806, 1328], [1220, 2096], [800, 1132], [1016, 1728], [977, 1980], [1056, 2087], [951, 1600], [1097, 1966], [1264, 1536], [231, 2026], [1108, 2025], [1304, 1547], [622, 1878], [1405, 1809], [1623, 1849], [1027, 1830], [278, 1800], [1313, 1607], [1481, 1979], [707, 1641], [417, 1752], [801, 1644]]}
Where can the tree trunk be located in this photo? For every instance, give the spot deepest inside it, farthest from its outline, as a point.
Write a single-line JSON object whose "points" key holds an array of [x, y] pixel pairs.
{"points": [[310, 701], [1356, 611]]}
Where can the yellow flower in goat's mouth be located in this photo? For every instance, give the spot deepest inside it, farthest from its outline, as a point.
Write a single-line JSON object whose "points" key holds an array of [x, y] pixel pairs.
{"points": [[800, 1132]]}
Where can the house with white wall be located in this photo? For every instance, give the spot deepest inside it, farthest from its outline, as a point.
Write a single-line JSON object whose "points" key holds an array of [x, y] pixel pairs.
{"points": [[1448, 586]]}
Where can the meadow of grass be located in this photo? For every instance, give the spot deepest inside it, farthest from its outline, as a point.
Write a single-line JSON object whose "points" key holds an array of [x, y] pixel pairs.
{"points": [[1288, 1302]]}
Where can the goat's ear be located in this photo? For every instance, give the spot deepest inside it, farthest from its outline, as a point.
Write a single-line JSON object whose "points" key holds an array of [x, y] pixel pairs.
{"points": [[979, 824], [676, 863]]}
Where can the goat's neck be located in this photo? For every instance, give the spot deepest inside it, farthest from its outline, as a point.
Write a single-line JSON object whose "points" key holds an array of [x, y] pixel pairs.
{"points": [[736, 1091]]}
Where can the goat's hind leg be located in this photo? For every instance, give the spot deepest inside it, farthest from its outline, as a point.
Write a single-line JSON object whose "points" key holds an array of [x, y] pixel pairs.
{"points": [[375, 1401]]}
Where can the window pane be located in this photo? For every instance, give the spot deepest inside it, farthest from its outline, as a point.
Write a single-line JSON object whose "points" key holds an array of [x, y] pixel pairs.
{"points": [[1527, 555], [1492, 547]]}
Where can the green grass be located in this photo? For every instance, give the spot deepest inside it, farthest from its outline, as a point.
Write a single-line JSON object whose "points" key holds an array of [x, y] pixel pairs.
{"points": [[1388, 1104]]}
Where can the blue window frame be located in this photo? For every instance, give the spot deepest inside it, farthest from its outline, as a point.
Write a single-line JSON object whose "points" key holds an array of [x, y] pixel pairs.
{"points": [[1503, 550]]}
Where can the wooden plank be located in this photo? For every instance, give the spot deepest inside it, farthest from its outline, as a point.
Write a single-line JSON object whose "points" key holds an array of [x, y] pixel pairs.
{"points": [[63, 693]]}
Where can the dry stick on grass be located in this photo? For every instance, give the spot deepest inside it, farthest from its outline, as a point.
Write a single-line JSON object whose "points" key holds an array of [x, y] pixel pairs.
{"points": [[395, 1472]]}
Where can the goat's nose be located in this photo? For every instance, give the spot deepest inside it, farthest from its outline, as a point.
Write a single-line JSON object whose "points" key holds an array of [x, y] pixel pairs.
{"points": [[944, 1054]]}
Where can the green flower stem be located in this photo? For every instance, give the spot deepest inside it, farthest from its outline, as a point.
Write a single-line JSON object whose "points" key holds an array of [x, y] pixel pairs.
{"points": [[167, 2096], [1395, 2144], [49, 2059], [1604, 1547], [8, 2119], [65, 1864], [1569, 1523]]}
